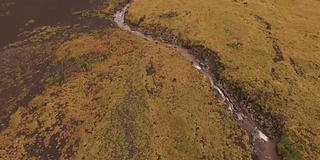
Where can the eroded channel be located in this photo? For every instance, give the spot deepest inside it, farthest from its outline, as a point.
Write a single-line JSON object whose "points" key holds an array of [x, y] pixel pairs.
{"points": [[263, 147]]}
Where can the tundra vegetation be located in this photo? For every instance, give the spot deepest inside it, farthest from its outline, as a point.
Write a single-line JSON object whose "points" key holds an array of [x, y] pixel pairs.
{"points": [[82, 88], [270, 52]]}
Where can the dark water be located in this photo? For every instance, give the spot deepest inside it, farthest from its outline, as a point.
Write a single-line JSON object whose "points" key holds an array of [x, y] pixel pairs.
{"points": [[43, 12]]}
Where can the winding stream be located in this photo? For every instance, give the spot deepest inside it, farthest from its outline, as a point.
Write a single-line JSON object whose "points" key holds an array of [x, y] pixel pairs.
{"points": [[263, 148]]}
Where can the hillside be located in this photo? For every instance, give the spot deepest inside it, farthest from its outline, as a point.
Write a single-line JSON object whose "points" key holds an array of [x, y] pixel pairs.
{"points": [[177, 80], [270, 52], [82, 88]]}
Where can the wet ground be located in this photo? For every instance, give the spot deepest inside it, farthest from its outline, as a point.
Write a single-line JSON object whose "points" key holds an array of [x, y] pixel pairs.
{"points": [[22, 15], [263, 148], [17, 16], [24, 71], [45, 22]]}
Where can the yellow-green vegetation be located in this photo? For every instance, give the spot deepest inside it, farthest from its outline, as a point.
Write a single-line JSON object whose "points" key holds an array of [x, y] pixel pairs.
{"points": [[270, 49], [30, 22], [135, 99], [113, 4], [80, 46], [41, 34], [90, 14]]}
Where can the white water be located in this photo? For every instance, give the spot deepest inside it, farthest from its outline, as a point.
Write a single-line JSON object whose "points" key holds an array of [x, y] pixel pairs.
{"points": [[262, 136], [197, 67]]}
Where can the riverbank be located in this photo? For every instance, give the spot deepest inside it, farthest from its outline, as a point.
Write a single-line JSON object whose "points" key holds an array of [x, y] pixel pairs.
{"points": [[263, 66], [208, 63], [98, 92]]}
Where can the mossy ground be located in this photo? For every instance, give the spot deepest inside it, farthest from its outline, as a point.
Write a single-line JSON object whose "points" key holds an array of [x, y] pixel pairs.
{"points": [[114, 109], [103, 93], [270, 49]]}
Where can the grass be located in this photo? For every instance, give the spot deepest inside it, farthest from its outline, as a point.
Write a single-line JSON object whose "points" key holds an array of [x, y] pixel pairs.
{"points": [[69, 93], [112, 6], [106, 111], [245, 35]]}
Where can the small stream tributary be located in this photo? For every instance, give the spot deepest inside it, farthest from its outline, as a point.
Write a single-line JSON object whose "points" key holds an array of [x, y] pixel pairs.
{"points": [[263, 148]]}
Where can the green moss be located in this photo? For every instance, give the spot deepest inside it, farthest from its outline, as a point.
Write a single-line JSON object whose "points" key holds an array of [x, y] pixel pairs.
{"points": [[286, 150]]}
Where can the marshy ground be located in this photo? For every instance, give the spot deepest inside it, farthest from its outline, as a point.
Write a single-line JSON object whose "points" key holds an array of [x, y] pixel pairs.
{"points": [[73, 85]]}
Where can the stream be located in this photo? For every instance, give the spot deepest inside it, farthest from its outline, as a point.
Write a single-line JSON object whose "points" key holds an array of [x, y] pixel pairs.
{"points": [[263, 147]]}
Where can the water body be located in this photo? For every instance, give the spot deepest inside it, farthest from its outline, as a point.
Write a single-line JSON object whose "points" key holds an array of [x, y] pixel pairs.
{"points": [[15, 14], [263, 148]]}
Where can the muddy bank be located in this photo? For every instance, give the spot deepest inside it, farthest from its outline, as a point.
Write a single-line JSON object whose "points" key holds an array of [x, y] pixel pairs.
{"points": [[264, 128]]}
